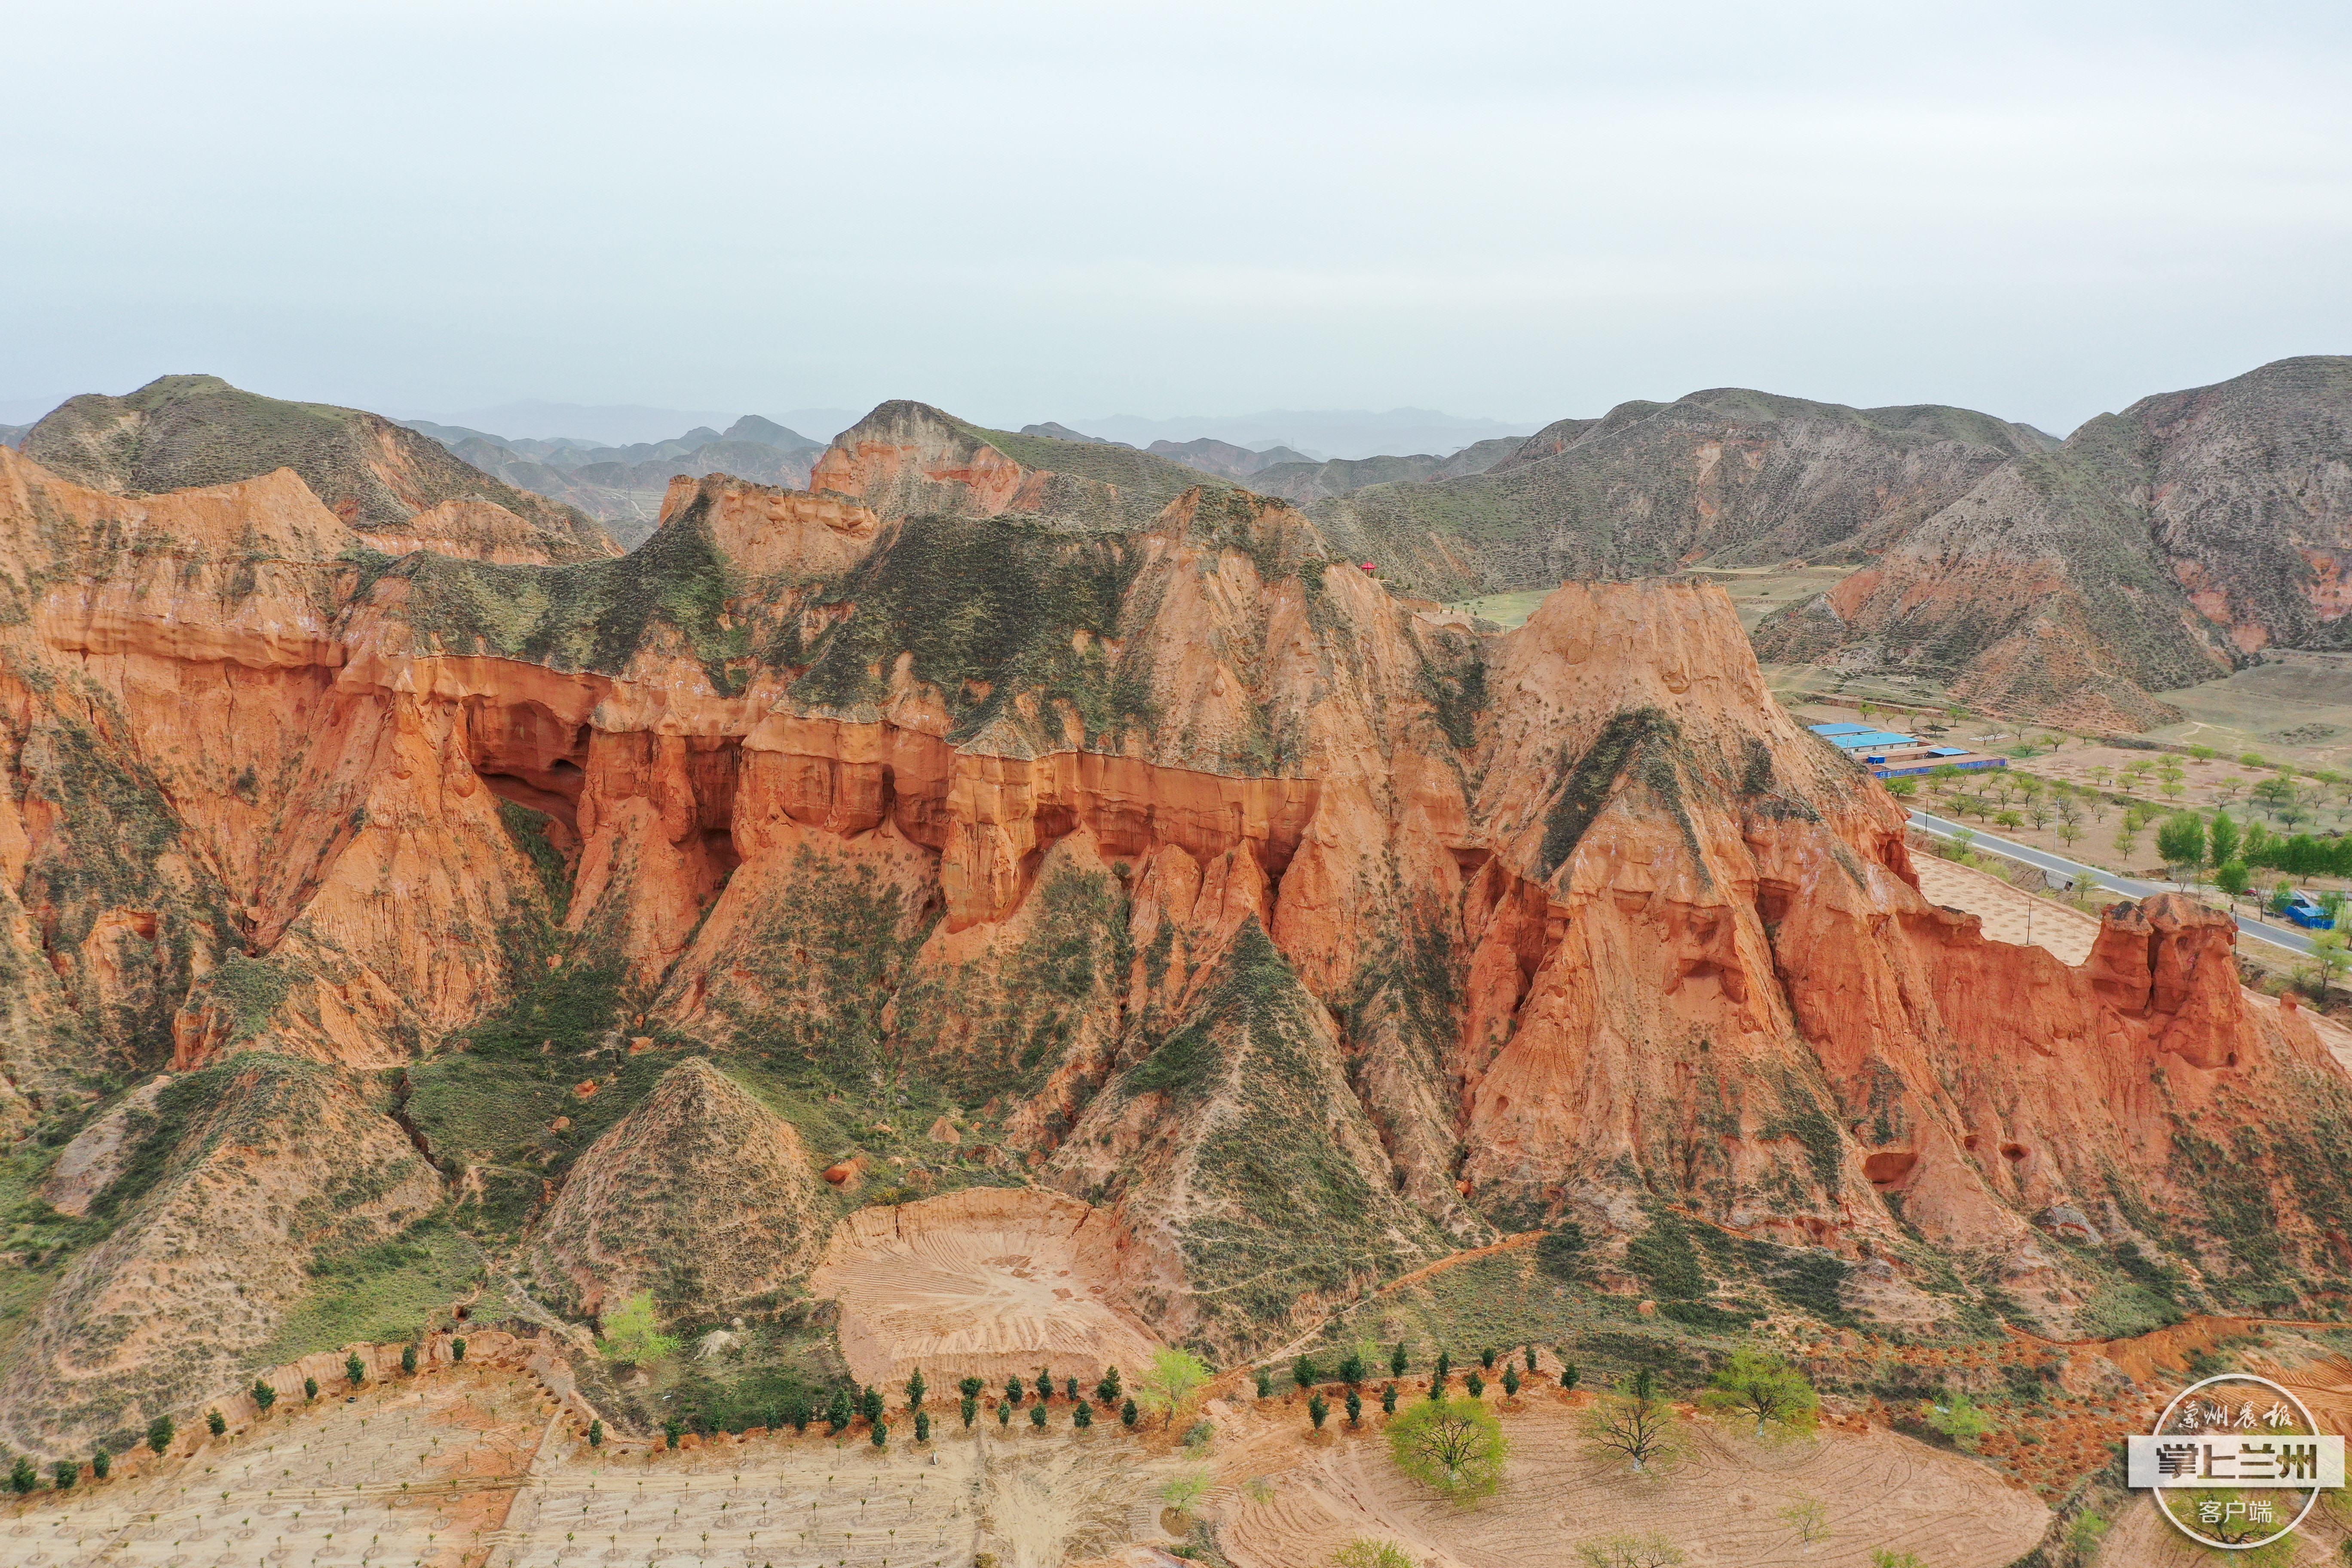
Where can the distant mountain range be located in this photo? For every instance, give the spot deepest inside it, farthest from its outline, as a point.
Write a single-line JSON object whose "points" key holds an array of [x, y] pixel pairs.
{"points": [[620, 424], [1315, 434], [622, 485], [2070, 581]]}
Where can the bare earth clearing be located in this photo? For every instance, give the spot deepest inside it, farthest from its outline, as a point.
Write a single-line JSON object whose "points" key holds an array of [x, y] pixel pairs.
{"points": [[468, 1467], [1721, 1506], [988, 1281]]}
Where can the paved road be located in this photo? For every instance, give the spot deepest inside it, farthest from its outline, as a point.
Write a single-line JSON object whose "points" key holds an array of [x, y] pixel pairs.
{"points": [[2287, 937]]}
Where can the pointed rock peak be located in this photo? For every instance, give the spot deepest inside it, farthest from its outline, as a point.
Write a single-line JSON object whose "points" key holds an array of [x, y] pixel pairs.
{"points": [[699, 1190], [764, 530]]}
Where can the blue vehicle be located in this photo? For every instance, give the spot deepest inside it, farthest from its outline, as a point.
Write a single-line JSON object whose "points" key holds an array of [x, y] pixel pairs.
{"points": [[2307, 912]]}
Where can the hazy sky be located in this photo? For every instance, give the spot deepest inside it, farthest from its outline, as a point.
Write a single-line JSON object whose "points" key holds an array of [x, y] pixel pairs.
{"points": [[1034, 211]]}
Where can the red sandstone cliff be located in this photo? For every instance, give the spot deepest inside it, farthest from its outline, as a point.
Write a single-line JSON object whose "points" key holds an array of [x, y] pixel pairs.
{"points": [[1306, 931]]}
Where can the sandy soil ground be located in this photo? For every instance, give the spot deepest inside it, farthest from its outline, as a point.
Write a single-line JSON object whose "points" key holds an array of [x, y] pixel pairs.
{"points": [[1721, 1506], [421, 1472], [2009, 914], [986, 1281]]}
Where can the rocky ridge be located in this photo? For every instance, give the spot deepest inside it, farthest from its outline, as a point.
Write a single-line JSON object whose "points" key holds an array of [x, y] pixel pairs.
{"points": [[185, 431], [1729, 475], [1115, 818], [2157, 548]]}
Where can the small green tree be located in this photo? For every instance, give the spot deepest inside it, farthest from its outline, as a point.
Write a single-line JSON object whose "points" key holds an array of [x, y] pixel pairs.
{"points": [[1959, 1419], [1454, 1446], [1388, 1400], [1398, 1360], [1004, 1413], [632, 1332], [916, 1389], [1475, 1384], [264, 1395], [1371, 1554], [457, 1346], [1568, 1374], [215, 1423], [922, 1425], [2329, 957], [1354, 1408], [1174, 1376], [1317, 1410], [2233, 879], [970, 1387], [309, 1388], [672, 1430], [1486, 1359], [595, 1434], [1304, 1373], [1651, 1551], [1037, 1416], [1635, 1422], [23, 1475], [160, 1433], [1265, 1380], [1045, 1383], [1510, 1380], [969, 1409], [2222, 840], [1082, 1417], [1126, 1414], [408, 1361], [354, 1370], [64, 1474], [1109, 1391], [1351, 1369], [1759, 1386], [1015, 1389], [1530, 1351], [879, 1433], [869, 1403], [2181, 841], [1444, 1365], [1183, 1492], [837, 1413], [101, 1464], [1808, 1518]]}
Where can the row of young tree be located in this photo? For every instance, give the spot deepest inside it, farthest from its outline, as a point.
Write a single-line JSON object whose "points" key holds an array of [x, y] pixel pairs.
{"points": [[24, 1475], [1164, 1387]]}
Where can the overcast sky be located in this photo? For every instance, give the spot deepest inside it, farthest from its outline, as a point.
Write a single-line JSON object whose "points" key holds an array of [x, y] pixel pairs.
{"points": [[1033, 210]]}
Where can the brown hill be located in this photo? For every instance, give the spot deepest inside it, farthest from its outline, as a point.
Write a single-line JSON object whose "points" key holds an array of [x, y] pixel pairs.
{"points": [[1171, 863], [700, 1195], [183, 431], [1729, 475], [2156, 548]]}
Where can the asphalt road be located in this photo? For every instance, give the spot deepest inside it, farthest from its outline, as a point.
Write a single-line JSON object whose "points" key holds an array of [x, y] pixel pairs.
{"points": [[2287, 937]]}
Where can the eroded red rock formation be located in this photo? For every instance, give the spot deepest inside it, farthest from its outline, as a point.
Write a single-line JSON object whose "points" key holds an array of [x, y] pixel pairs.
{"points": [[1290, 921]]}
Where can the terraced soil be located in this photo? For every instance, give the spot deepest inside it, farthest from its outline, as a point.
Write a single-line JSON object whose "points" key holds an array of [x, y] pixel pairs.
{"points": [[420, 1472], [988, 1281], [1721, 1506]]}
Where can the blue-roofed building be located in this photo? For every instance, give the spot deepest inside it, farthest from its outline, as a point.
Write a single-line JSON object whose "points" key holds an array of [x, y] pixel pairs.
{"points": [[1889, 753]]}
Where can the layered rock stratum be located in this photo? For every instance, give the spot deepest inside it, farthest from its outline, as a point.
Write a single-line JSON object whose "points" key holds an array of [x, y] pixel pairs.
{"points": [[973, 821]]}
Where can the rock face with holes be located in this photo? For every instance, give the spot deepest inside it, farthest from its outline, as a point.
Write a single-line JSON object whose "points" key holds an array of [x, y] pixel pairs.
{"points": [[1301, 933]]}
